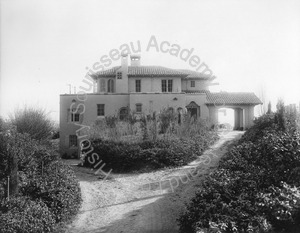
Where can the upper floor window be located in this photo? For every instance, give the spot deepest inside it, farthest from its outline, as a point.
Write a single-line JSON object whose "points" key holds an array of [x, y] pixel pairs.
{"points": [[111, 86], [138, 85], [100, 109], [138, 107], [74, 117], [167, 85], [193, 84], [119, 75], [72, 140], [102, 85]]}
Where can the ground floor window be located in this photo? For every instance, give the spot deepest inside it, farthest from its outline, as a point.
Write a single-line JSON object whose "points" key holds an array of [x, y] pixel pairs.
{"points": [[138, 108], [100, 109], [123, 113], [72, 140]]}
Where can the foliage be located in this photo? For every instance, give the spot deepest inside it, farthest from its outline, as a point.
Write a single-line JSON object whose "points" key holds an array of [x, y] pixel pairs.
{"points": [[57, 187], [52, 191], [33, 122], [256, 186], [126, 156], [22, 215]]}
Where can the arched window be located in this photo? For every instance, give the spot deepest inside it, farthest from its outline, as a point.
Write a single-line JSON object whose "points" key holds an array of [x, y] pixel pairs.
{"points": [[111, 86]]}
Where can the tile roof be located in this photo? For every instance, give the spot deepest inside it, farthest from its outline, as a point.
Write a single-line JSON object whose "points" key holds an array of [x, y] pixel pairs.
{"points": [[152, 71], [229, 98], [196, 75]]}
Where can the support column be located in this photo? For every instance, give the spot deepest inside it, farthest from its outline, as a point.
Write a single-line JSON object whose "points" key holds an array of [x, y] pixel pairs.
{"points": [[236, 118], [249, 116], [213, 115], [242, 119]]}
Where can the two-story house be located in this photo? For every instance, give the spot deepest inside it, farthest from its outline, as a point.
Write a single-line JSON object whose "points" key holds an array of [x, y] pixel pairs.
{"points": [[148, 89]]}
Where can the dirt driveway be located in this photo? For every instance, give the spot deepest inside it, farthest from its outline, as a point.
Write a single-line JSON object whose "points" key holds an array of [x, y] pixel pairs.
{"points": [[143, 203]]}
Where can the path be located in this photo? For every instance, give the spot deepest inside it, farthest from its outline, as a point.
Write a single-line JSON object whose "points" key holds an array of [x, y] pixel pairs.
{"points": [[142, 203]]}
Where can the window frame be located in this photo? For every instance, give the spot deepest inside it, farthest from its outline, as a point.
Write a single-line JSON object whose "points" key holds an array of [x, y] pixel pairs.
{"points": [[138, 85], [75, 117], [100, 110], [111, 86], [73, 140], [167, 85], [119, 75], [139, 105], [193, 83]]}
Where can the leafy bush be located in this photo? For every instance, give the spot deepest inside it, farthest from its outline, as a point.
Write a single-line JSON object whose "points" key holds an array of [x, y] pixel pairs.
{"points": [[126, 156], [57, 187], [282, 206], [47, 182], [225, 202], [33, 122], [22, 215], [256, 187]]}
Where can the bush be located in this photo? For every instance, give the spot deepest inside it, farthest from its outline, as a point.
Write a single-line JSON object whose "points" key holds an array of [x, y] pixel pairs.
{"points": [[256, 187], [126, 156], [225, 202], [41, 177], [33, 122], [22, 215], [57, 187]]}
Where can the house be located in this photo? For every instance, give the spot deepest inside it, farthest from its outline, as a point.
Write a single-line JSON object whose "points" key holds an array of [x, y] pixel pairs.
{"points": [[148, 89]]}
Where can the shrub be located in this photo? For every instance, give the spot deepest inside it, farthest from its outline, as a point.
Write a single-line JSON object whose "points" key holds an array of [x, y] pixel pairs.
{"points": [[226, 202], [41, 176], [22, 215], [282, 207], [126, 156], [33, 122], [57, 187], [253, 189]]}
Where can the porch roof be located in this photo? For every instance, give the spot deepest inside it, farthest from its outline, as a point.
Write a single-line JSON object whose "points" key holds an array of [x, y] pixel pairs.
{"points": [[229, 98]]}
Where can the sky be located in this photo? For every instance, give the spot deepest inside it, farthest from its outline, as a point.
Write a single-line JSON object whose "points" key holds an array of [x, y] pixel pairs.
{"points": [[249, 45]]}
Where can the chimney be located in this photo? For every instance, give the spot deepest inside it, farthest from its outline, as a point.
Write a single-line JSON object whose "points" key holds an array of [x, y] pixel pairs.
{"points": [[124, 61], [135, 60]]}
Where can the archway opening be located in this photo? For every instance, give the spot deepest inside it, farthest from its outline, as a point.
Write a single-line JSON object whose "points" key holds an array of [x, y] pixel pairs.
{"points": [[226, 118]]}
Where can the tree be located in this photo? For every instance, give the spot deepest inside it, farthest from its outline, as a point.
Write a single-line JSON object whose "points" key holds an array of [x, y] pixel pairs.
{"points": [[34, 122]]}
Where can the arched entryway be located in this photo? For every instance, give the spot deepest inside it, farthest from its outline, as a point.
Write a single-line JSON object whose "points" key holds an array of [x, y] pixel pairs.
{"points": [[243, 115], [193, 109]]}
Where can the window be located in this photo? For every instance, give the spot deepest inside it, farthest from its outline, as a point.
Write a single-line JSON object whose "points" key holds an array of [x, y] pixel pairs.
{"points": [[170, 85], [74, 117], [192, 83], [100, 109], [167, 85], [102, 85], [123, 113], [119, 75], [138, 107], [111, 86], [72, 140], [138, 85]]}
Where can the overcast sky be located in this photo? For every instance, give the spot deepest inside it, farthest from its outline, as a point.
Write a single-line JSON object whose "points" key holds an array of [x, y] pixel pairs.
{"points": [[46, 45]]}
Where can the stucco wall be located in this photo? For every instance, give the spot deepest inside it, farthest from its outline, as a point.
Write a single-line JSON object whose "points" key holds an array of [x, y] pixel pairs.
{"points": [[157, 101], [113, 102], [149, 84], [199, 85]]}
